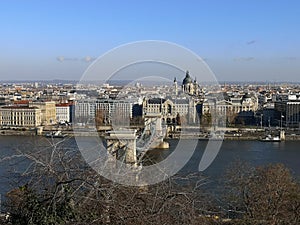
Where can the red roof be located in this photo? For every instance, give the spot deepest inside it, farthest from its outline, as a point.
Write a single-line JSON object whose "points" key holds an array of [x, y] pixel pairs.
{"points": [[62, 105], [18, 107], [21, 102]]}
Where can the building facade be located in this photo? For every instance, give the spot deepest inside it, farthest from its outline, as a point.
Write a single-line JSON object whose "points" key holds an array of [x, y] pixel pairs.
{"points": [[288, 110], [20, 116], [293, 114], [234, 104], [110, 110], [170, 109], [229, 109], [114, 112], [63, 113], [48, 110]]}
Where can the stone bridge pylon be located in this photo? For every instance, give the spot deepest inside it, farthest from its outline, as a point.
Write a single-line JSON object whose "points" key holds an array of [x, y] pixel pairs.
{"points": [[125, 146], [121, 145]]}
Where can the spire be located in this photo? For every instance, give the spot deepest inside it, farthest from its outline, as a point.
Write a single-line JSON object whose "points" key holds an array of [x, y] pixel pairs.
{"points": [[175, 86]]}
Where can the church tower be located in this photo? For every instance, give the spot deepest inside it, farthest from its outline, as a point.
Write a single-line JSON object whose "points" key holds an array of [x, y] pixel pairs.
{"points": [[196, 87], [175, 86]]}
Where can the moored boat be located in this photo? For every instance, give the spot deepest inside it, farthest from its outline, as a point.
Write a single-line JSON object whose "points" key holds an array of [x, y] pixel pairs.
{"points": [[56, 134], [270, 138]]}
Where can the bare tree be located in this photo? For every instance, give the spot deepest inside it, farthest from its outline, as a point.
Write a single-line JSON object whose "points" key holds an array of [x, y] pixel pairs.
{"points": [[230, 117], [100, 118], [206, 120], [60, 188], [263, 195], [137, 121], [178, 119]]}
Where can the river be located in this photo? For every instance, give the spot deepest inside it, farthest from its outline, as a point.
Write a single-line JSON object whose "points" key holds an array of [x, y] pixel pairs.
{"points": [[254, 152]]}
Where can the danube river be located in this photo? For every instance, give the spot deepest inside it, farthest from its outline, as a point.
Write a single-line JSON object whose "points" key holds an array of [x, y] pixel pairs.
{"points": [[254, 152]]}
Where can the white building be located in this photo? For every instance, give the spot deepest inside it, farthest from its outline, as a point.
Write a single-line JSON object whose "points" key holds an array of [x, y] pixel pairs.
{"points": [[234, 105], [85, 110], [63, 113], [231, 108], [22, 116]]}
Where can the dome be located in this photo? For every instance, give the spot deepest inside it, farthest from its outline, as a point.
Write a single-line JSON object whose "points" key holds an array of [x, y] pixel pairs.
{"points": [[187, 79]]}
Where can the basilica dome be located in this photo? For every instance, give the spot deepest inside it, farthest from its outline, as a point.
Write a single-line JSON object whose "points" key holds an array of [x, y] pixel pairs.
{"points": [[187, 79]]}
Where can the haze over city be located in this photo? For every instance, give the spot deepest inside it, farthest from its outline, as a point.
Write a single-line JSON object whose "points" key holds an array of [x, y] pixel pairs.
{"points": [[239, 40]]}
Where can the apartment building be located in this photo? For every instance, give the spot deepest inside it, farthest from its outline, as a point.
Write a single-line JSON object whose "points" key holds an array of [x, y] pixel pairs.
{"points": [[110, 110], [63, 112]]}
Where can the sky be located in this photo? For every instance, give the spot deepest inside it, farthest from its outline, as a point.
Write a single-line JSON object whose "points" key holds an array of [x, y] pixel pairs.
{"points": [[240, 40]]}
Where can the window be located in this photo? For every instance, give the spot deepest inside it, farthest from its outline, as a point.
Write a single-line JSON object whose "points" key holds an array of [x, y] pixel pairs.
{"points": [[169, 108]]}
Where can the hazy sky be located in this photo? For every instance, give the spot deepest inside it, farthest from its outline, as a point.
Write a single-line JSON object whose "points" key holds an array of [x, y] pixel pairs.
{"points": [[240, 40]]}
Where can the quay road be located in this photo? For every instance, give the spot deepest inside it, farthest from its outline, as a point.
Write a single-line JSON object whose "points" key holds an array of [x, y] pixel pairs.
{"points": [[188, 133]]}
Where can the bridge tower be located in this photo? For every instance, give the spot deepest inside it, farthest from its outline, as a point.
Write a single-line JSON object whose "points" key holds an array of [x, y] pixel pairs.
{"points": [[160, 129], [121, 144]]}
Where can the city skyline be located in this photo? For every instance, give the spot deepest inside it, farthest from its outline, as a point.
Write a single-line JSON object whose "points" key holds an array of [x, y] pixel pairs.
{"points": [[240, 41]]}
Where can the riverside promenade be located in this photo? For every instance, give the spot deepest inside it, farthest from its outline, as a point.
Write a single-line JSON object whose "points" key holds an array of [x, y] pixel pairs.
{"points": [[242, 134]]}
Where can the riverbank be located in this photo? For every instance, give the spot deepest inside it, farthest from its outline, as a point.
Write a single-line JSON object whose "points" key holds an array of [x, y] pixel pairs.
{"points": [[84, 133]]}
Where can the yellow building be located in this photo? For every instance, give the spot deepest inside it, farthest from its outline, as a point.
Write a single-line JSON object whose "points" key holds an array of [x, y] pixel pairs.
{"points": [[48, 111], [22, 116]]}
